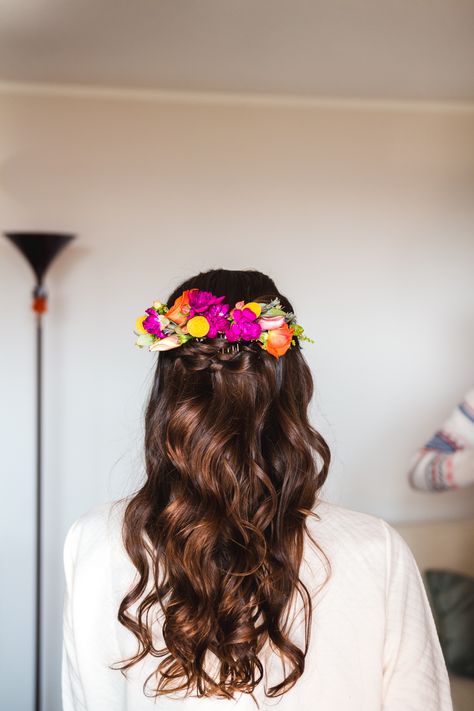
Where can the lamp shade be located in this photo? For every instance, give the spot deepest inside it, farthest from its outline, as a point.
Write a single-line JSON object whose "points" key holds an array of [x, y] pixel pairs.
{"points": [[39, 248]]}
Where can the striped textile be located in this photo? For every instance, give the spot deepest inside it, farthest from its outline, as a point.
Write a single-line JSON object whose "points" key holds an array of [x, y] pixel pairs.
{"points": [[446, 461]]}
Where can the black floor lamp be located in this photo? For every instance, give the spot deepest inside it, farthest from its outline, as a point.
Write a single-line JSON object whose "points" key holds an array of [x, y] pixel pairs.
{"points": [[39, 249]]}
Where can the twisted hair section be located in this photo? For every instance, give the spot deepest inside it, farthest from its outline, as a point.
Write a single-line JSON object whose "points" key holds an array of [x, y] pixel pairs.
{"points": [[217, 531]]}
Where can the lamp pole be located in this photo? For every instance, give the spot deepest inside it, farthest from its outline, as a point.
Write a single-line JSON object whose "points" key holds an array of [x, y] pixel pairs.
{"points": [[39, 249]]}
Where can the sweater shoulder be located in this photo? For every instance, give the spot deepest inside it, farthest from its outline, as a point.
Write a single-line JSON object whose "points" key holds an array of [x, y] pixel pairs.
{"points": [[347, 520], [346, 533], [97, 529]]}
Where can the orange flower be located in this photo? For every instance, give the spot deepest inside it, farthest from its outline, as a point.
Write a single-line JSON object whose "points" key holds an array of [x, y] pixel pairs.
{"points": [[279, 340], [178, 313]]}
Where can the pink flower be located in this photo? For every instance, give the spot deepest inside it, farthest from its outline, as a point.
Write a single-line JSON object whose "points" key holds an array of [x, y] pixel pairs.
{"points": [[166, 344], [268, 323]]}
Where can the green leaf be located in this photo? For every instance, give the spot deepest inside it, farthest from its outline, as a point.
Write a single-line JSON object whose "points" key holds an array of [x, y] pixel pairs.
{"points": [[163, 320], [144, 339], [274, 303], [275, 311]]}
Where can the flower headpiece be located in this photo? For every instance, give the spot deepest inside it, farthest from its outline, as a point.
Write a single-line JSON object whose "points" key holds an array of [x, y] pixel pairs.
{"points": [[199, 314]]}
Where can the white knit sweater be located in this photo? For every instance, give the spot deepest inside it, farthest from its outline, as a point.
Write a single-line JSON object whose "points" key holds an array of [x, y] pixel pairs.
{"points": [[373, 639]]}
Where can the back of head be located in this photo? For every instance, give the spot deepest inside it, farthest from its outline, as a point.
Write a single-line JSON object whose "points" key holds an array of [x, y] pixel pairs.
{"points": [[232, 474]]}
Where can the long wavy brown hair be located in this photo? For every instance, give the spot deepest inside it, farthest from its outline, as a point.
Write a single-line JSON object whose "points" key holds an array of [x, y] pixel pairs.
{"points": [[219, 525]]}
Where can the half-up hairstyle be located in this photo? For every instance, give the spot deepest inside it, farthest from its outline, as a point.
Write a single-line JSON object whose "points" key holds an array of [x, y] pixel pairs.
{"points": [[220, 522]]}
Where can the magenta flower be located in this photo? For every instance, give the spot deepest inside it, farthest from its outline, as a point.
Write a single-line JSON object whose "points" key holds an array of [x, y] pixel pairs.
{"points": [[234, 332], [217, 310], [219, 324], [200, 301], [244, 327], [152, 324], [250, 330], [217, 317], [247, 314]]}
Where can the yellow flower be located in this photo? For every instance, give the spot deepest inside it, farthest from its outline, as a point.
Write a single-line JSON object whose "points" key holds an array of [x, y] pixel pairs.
{"points": [[198, 326], [139, 324], [253, 306]]}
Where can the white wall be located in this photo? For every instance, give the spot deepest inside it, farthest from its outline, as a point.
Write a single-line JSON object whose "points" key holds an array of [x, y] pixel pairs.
{"points": [[362, 214]]}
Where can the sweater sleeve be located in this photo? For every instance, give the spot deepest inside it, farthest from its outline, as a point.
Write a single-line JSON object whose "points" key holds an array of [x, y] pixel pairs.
{"points": [[72, 689], [415, 677], [446, 461]]}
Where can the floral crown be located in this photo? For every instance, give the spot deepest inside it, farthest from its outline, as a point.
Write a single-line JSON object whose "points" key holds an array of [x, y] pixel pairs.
{"points": [[199, 314]]}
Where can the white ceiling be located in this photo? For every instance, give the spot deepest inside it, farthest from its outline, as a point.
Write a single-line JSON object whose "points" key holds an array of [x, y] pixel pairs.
{"points": [[374, 49]]}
